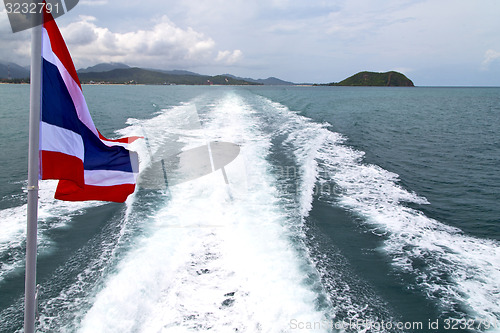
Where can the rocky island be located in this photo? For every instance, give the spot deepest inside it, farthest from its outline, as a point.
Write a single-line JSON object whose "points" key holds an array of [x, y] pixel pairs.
{"points": [[387, 79]]}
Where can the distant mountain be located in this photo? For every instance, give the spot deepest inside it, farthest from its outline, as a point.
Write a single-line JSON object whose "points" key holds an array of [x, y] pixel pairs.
{"points": [[14, 71], [273, 81], [135, 75], [387, 79], [174, 72], [109, 66], [115, 72], [269, 81], [103, 67]]}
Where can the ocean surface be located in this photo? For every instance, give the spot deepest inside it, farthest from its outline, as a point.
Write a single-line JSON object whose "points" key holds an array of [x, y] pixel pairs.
{"points": [[348, 209]]}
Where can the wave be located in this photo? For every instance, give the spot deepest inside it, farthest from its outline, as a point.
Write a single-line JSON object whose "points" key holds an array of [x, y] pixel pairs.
{"points": [[458, 272], [349, 297], [205, 255], [211, 256], [52, 214]]}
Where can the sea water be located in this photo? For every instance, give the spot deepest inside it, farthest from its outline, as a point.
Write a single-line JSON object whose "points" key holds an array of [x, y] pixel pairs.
{"points": [[347, 209]]}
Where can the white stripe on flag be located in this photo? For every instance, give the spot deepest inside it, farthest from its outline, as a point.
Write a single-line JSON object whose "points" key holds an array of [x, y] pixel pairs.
{"points": [[58, 139], [73, 88], [108, 177], [114, 143]]}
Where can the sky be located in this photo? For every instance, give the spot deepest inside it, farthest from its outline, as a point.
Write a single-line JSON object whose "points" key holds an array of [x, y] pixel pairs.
{"points": [[433, 42]]}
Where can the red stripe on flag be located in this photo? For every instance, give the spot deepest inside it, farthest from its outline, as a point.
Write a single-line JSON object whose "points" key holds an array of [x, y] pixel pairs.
{"points": [[129, 139], [68, 191], [59, 46], [67, 168], [56, 165]]}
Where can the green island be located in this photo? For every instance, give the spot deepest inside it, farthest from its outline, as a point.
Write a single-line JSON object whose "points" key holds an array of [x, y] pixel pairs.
{"points": [[119, 73], [374, 79], [136, 75]]}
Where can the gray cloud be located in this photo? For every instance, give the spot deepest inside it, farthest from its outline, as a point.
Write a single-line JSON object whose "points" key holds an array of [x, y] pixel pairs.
{"points": [[81, 32], [165, 45], [313, 41], [229, 57], [14, 47], [489, 57]]}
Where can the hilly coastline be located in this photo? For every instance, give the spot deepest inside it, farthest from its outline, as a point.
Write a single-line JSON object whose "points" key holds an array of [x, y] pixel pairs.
{"points": [[135, 75], [374, 79], [119, 73], [13, 72]]}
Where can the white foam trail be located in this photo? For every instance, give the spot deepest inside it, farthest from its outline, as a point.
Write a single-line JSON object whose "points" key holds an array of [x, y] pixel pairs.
{"points": [[13, 233], [348, 299], [208, 262], [76, 296], [51, 214], [165, 135], [459, 269]]}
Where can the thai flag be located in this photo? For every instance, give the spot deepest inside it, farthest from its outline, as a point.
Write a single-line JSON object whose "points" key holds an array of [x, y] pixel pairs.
{"points": [[88, 166]]}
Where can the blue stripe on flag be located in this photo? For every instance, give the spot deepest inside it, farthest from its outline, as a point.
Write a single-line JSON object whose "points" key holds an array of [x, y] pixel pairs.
{"points": [[59, 110]]}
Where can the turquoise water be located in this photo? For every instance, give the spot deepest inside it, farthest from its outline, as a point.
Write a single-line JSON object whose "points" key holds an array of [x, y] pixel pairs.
{"points": [[443, 142], [345, 205]]}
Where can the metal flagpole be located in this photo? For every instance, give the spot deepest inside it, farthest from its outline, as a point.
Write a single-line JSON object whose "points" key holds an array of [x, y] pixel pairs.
{"points": [[33, 160]]}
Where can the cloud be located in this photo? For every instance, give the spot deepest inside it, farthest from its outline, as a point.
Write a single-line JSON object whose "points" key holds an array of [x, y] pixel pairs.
{"points": [[229, 57], [165, 45], [93, 2], [312, 41], [81, 33], [15, 47], [489, 57], [404, 70]]}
